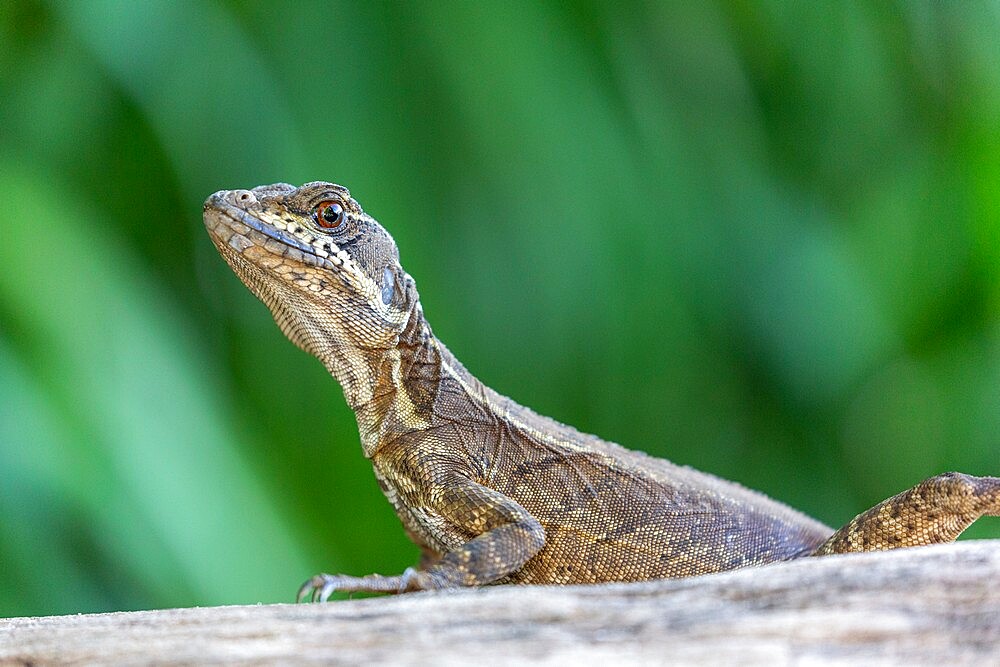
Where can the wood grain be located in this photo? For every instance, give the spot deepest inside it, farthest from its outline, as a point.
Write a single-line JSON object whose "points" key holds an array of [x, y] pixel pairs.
{"points": [[938, 604]]}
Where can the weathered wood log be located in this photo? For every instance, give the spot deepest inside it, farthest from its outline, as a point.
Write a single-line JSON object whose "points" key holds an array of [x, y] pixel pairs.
{"points": [[918, 606]]}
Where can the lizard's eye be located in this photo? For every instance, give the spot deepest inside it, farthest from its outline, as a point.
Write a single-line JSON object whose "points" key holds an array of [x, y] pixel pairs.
{"points": [[330, 214]]}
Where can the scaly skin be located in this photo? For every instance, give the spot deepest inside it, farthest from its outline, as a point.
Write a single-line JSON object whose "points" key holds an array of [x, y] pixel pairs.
{"points": [[491, 491]]}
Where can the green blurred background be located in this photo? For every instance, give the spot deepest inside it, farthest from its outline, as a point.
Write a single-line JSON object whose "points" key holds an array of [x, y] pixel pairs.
{"points": [[759, 238]]}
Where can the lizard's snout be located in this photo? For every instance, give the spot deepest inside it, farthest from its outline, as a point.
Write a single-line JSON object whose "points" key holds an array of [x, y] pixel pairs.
{"points": [[238, 198], [246, 198], [225, 198]]}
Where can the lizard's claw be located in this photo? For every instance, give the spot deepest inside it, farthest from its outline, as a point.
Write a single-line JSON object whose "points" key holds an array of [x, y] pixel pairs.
{"points": [[316, 589]]}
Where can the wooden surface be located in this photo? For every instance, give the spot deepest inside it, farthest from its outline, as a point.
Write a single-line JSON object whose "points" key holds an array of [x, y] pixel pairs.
{"points": [[932, 605]]}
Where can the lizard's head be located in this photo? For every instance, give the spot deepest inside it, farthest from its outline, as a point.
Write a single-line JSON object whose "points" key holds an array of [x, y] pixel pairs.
{"points": [[329, 273]]}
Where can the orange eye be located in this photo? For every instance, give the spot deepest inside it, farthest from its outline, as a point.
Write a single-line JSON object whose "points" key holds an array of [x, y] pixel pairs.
{"points": [[330, 214]]}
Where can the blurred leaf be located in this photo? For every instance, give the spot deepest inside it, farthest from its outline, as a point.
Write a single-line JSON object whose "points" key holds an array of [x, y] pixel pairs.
{"points": [[161, 476]]}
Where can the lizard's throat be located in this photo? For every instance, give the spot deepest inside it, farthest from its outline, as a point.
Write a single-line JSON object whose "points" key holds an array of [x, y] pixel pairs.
{"points": [[391, 391]]}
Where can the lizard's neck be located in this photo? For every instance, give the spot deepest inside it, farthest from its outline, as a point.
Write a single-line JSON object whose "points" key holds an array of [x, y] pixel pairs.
{"points": [[392, 391]]}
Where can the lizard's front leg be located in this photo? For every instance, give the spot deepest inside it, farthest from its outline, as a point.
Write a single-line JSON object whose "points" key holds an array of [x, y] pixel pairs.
{"points": [[936, 510], [506, 537]]}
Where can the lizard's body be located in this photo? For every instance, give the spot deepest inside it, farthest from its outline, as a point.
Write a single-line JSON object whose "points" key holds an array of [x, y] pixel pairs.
{"points": [[606, 513], [491, 491]]}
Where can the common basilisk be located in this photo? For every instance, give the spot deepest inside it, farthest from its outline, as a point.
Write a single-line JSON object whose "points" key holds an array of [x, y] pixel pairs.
{"points": [[490, 491]]}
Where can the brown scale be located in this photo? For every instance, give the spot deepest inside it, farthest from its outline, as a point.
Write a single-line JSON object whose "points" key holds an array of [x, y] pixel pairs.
{"points": [[491, 491]]}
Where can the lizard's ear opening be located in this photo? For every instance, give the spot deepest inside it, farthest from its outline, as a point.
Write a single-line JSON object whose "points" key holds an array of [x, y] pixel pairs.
{"points": [[388, 285]]}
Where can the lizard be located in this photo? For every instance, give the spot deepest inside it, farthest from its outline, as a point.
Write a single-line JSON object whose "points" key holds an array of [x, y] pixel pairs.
{"points": [[490, 491]]}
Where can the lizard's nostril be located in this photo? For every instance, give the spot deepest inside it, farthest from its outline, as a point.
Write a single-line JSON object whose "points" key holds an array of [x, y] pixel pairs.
{"points": [[242, 197]]}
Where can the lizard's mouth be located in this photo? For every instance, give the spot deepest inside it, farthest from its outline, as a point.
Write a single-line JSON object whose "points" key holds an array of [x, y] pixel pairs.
{"points": [[228, 224]]}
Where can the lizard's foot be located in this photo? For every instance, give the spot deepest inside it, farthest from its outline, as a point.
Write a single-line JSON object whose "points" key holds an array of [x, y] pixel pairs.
{"points": [[936, 510], [320, 587]]}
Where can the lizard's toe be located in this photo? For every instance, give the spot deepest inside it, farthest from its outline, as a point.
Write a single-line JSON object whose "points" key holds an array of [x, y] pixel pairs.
{"points": [[322, 586], [311, 586], [329, 586]]}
